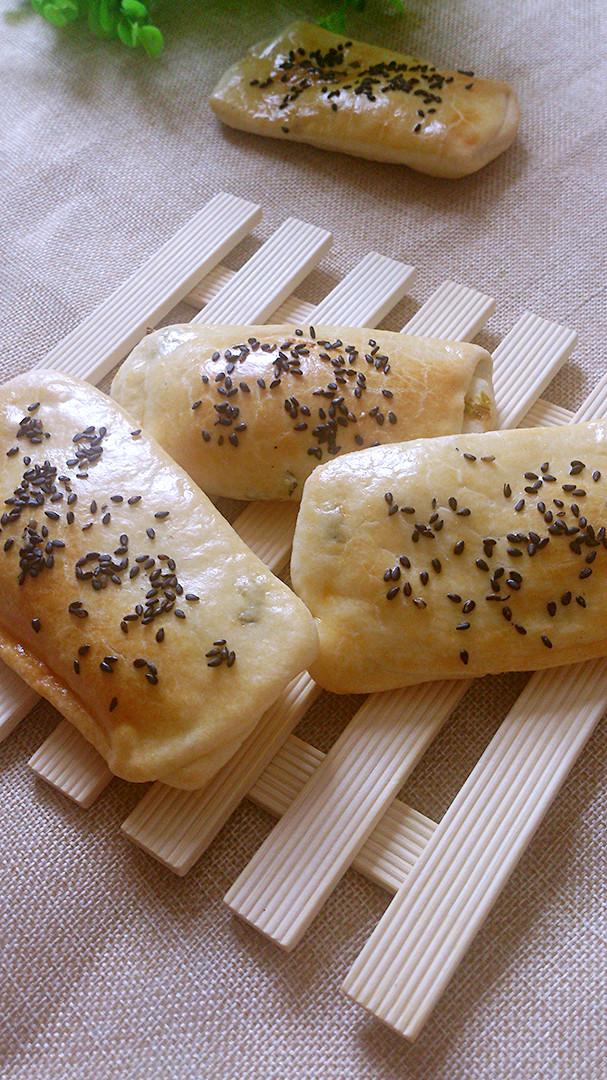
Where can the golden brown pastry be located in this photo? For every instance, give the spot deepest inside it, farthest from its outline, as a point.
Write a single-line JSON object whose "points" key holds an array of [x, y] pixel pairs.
{"points": [[310, 85], [125, 598], [249, 411], [455, 557]]}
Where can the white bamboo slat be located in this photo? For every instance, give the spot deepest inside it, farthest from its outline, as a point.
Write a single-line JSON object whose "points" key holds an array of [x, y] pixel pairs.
{"points": [[285, 884], [291, 875], [394, 845], [366, 295], [69, 763], [17, 699], [595, 405], [94, 347], [417, 945], [267, 528], [544, 414], [269, 276], [454, 312], [546, 346], [293, 309], [481, 838], [177, 826]]}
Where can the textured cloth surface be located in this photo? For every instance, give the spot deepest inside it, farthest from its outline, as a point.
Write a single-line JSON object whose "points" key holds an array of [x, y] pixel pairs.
{"points": [[112, 967]]}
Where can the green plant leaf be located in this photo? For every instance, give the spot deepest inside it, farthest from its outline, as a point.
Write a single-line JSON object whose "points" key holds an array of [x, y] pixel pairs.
{"points": [[53, 15], [134, 10], [152, 40], [107, 18], [336, 22], [128, 32]]}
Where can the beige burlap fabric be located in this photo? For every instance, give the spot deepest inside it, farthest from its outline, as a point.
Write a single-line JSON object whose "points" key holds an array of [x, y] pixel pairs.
{"points": [[111, 967]]}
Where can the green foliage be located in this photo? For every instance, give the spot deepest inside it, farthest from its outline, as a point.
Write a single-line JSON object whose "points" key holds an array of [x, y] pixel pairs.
{"points": [[129, 21]]}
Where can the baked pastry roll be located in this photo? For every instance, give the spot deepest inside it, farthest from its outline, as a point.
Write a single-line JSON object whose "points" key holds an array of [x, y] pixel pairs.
{"points": [[125, 598], [310, 85], [456, 557], [249, 411]]}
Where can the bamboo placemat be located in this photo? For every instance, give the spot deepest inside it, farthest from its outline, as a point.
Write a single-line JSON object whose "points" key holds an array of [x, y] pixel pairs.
{"points": [[341, 809]]}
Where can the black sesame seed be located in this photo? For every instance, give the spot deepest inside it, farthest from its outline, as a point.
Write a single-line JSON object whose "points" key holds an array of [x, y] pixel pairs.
{"points": [[546, 641]]}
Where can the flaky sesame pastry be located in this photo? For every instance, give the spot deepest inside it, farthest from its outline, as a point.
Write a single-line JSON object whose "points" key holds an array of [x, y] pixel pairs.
{"points": [[125, 598], [456, 557], [249, 411], [312, 86]]}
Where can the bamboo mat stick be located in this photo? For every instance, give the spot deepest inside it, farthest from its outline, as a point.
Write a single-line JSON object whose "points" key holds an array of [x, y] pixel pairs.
{"points": [[94, 347], [177, 826], [417, 945], [394, 845], [269, 276], [516, 388], [287, 881], [453, 312]]}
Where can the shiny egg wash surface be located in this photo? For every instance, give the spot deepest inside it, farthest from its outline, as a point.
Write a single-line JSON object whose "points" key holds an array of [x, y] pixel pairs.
{"points": [[457, 557], [314, 86], [251, 416], [126, 598]]}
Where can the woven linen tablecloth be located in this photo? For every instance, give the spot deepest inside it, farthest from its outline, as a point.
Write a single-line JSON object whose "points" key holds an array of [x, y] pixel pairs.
{"points": [[111, 966]]}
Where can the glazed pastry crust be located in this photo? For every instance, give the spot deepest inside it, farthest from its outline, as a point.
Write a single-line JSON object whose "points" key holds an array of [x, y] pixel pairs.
{"points": [[249, 411], [422, 563], [310, 85], [118, 576]]}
